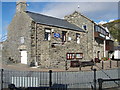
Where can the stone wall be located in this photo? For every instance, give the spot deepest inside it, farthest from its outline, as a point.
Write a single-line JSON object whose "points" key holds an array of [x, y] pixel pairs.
{"points": [[98, 46], [55, 57], [42, 51], [92, 45], [79, 20], [19, 27]]}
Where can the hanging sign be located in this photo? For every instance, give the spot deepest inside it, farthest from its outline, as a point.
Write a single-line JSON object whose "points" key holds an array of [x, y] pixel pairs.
{"points": [[57, 35]]}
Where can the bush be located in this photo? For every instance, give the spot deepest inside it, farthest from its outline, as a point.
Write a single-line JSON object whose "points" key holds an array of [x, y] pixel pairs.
{"points": [[105, 58]]}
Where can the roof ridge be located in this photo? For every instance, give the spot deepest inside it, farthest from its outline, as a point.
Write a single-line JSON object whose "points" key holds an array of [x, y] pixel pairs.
{"points": [[49, 20], [45, 15]]}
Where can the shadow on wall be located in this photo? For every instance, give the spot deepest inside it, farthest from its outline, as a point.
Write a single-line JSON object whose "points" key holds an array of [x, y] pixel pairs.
{"points": [[54, 87], [61, 86]]}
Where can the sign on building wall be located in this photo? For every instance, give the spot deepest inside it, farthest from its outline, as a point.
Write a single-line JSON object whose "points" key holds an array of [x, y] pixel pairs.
{"points": [[71, 56], [57, 35], [79, 55]]}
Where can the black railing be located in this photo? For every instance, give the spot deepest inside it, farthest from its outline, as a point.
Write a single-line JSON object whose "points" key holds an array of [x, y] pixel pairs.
{"points": [[101, 81], [48, 80]]}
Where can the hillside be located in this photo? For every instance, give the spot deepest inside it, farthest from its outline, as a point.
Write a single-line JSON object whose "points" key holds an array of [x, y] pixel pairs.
{"points": [[114, 28]]}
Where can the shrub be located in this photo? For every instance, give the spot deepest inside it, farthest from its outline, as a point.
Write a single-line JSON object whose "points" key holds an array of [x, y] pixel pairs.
{"points": [[105, 58]]}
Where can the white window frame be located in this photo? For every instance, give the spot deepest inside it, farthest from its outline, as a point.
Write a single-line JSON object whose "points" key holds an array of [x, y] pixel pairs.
{"points": [[78, 38], [22, 40], [83, 27], [48, 32]]}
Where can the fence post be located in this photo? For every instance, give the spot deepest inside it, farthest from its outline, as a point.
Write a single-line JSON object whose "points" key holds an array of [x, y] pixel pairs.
{"points": [[50, 78], [94, 79], [100, 81], [2, 79], [66, 65], [102, 65], [80, 66]]}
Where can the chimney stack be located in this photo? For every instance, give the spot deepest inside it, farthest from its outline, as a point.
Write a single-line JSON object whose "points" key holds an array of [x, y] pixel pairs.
{"points": [[21, 6]]}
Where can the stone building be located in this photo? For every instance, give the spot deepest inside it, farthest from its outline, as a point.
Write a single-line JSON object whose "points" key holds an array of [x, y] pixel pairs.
{"points": [[95, 34], [50, 42]]}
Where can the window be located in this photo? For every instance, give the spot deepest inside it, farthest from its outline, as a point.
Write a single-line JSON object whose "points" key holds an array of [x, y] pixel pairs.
{"points": [[47, 34], [84, 27], [22, 40], [64, 36], [99, 29], [96, 28], [77, 38]]}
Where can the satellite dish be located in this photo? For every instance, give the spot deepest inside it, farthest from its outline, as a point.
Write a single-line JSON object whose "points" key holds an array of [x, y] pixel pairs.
{"points": [[78, 6]]}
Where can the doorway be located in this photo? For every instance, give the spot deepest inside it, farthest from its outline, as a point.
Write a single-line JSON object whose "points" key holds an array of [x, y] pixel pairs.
{"points": [[24, 57]]}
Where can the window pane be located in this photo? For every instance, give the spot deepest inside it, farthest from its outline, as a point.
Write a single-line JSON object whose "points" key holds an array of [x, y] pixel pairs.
{"points": [[22, 40], [64, 36], [78, 38], [47, 34]]}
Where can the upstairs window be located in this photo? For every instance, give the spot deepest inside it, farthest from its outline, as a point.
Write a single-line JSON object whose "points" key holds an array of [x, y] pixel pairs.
{"points": [[77, 38], [96, 28], [47, 34], [64, 36], [84, 27], [99, 29], [22, 40]]}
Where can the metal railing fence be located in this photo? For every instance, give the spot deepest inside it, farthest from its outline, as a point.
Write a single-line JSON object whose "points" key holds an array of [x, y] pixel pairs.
{"points": [[50, 79]]}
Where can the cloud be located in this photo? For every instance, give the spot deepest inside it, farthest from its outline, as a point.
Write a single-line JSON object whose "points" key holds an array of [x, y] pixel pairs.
{"points": [[102, 22], [111, 20], [63, 0], [94, 10]]}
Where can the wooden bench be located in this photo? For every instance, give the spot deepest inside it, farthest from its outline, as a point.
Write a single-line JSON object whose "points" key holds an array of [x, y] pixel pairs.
{"points": [[86, 63]]}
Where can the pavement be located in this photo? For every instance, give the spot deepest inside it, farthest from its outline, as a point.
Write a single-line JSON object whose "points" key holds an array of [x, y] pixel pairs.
{"points": [[98, 66]]}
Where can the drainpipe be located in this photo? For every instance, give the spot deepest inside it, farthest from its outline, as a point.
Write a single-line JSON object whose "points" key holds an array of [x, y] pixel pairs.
{"points": [[104, 48], [93, 40], [36, 56]]}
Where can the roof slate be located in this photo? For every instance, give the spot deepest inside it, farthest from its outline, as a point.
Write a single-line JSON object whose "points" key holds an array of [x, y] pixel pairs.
{"points": [[52, 21]]}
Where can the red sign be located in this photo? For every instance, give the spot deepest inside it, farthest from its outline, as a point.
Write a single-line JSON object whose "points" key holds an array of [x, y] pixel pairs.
{"points": [[71, 56]]}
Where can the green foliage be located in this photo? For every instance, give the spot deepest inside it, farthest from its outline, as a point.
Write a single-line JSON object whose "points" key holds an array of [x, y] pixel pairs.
{"points": [[114, 28], [105, 58]]}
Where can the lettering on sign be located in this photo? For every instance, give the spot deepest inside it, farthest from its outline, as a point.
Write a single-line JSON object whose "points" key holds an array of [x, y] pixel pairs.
{"points": [[71, 56], [57, 35]]}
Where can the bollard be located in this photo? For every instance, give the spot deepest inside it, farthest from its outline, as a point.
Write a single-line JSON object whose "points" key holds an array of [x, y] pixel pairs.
{"points": [[110, 64], [2, 79], [66, 65], [100, 81], [94, 79], [80, 66], [117, 63], [102, 65], [50, 78]]}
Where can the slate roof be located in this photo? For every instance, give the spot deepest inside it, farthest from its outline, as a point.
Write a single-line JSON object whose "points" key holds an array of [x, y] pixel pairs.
{"points": [[52, 21]]}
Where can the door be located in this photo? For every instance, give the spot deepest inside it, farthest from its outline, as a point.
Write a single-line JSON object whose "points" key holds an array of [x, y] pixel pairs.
{"points": [[24, 57]]}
